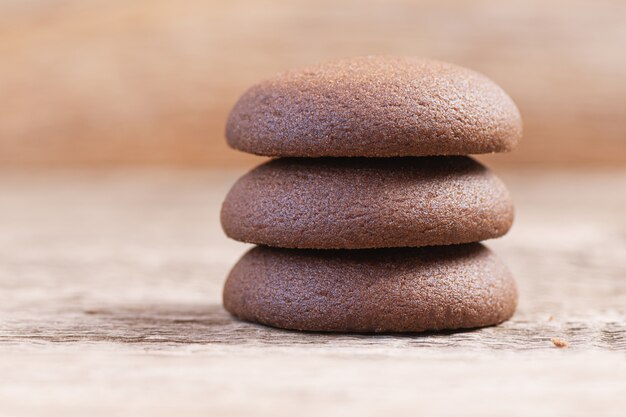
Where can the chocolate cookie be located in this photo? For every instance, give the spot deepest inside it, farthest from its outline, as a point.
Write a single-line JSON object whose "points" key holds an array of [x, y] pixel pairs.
{"points": [[348, 203], [376, 290], [375, 106]]}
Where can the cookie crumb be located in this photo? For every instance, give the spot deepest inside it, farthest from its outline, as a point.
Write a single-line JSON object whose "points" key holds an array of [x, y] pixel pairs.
{"points": [[559, 343]]}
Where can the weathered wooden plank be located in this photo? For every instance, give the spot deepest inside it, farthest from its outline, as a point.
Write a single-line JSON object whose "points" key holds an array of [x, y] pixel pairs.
{"points": [[167, 326], [110, 288]]}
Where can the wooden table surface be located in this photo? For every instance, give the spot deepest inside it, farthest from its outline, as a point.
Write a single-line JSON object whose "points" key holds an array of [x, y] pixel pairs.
{"points": [[110, 286]]}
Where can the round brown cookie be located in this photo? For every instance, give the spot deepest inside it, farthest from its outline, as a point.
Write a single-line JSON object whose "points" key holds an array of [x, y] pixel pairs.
{"points": [[375, 290], [375, 106], [350, 203]]}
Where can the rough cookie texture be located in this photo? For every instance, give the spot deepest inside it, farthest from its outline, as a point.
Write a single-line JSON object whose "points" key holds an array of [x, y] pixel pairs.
{"points": [[376, 290], [375, 106], [348, 203]]}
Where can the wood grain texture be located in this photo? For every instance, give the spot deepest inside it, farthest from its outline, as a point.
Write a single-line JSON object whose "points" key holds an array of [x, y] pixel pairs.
{"points": [[151, 81], [110, 286]]}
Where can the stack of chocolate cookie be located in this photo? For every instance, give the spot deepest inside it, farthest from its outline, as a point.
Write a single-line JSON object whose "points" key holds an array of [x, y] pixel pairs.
{"points": [[368, 221]]}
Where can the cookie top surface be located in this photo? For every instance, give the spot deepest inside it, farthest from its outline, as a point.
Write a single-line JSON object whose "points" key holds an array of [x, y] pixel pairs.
{"points": [[375, 106], [353, 203], [382, 290]]}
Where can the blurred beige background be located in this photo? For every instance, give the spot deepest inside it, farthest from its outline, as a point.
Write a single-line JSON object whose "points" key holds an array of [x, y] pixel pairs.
{"points": [[151, 81]]}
